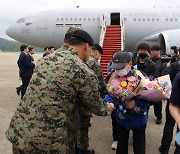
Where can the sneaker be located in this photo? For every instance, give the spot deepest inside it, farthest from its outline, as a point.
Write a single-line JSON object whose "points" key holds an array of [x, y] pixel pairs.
{"points": [[114, 145], [159, 121]]}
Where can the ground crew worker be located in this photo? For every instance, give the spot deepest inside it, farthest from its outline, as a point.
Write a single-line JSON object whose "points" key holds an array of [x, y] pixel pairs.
{"points": [[47, 119]]}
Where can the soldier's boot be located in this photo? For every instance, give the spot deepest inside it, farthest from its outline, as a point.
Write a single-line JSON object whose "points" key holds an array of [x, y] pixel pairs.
{"points": [[89, 151]]}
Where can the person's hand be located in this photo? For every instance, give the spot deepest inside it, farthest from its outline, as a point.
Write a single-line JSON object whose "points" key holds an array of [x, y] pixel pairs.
{"points": [[168, 64], [130, 105], [110, 106]]}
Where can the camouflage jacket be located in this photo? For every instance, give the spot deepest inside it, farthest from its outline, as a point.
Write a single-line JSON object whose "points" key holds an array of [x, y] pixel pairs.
{"points": [[47, 118], [96, 67]]}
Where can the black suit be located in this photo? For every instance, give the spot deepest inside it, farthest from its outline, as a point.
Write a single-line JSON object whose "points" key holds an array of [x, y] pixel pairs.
{"points": [[25, 70]]}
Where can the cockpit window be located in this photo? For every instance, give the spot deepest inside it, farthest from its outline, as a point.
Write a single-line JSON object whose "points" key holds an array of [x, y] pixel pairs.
{"points": [[22, 20]]}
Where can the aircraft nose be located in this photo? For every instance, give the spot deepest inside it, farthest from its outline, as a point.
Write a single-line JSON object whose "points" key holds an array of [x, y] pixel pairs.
{"points": [[11, 31], [15, 31]]}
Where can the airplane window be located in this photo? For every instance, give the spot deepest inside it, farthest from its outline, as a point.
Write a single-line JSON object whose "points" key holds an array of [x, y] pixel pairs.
{"points": [[176, 19], [139, 19], [134, 19], [157, 19], [57, 19], [75, 19], [89, 19], [66, 19], [166, 19], [152, 19], [61, 19], [144, 19], [93, 19], [84, 19], [171, 19], [22, 20], [70, 19], [79, 19], [148, 19], [98, 19]]}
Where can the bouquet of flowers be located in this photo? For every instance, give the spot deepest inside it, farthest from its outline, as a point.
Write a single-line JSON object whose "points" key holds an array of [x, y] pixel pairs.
{"points": [[155, 89], [124, 87], [135, 84]]}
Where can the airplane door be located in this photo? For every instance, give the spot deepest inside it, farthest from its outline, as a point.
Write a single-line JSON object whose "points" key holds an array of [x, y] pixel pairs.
{"points": [[115, 18], [42, 21]]}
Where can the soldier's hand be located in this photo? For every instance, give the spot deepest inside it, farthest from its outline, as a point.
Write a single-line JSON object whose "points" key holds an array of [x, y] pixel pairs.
{"points": [[110, 106], [130, 105]]}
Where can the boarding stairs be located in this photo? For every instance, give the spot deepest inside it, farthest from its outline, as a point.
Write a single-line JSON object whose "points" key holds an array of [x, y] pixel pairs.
{"points": [[111, 42]]}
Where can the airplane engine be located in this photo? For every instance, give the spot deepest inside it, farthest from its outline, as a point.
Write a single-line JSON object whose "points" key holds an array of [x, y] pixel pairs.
{"points": [[169, 38]]}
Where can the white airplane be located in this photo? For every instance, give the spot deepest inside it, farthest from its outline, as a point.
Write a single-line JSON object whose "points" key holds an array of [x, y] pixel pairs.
{"points": [[156, 25]]}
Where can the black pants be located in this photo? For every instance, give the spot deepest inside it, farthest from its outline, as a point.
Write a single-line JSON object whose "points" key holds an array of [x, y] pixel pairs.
{"points": [[168, 130], [157, 108], [114, 126], [25, 83], [177, 150], [139, 141]]}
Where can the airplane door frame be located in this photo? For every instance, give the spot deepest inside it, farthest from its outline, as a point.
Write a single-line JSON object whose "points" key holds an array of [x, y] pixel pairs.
{"points": [[115, 18], [42, 21]]}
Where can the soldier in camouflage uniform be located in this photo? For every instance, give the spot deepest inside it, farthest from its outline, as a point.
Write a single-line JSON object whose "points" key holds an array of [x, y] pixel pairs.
{"points": [[93, 64], [47, 119]]}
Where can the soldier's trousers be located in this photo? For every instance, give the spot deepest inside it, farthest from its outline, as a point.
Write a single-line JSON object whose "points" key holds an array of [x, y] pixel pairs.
{"points": [[16, 150], [82, 137]]}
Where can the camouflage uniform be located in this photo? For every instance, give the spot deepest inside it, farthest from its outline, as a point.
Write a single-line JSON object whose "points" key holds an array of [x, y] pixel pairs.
{"points": [[47, 119], [83, 139], [96, 67], [62, 48]]}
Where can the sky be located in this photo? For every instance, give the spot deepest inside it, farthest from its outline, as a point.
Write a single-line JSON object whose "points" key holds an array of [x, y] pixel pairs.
{"points": [[12, 10]]}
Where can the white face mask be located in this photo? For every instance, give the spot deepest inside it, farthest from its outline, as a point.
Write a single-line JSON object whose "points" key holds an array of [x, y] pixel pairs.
{"points": [[121, 72]]}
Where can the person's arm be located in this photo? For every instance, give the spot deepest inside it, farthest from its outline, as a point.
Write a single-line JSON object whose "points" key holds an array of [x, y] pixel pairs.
{"points": [[86, 85], [26, 62], [175, 113], [154, 70], [166, 68], [98, 72], [173, 70]]}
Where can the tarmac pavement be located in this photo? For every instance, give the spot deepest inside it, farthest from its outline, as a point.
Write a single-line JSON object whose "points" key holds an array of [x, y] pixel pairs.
{"points": [[100, 131]]}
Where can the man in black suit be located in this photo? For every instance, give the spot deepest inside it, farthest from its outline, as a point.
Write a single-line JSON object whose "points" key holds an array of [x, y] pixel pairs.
{"points": [[26, 66]]}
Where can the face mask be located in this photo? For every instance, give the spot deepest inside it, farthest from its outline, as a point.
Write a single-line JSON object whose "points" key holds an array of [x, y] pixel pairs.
{"points": [[122, 72], [142, 55]]}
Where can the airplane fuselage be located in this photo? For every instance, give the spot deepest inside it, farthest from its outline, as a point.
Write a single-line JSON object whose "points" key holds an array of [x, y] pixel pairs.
{"points": [[140, 25]]}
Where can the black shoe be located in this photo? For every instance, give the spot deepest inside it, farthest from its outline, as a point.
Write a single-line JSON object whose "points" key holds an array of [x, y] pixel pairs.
{"points": [[89, 151], [161, 151], [18, 89], [159, 121]]}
